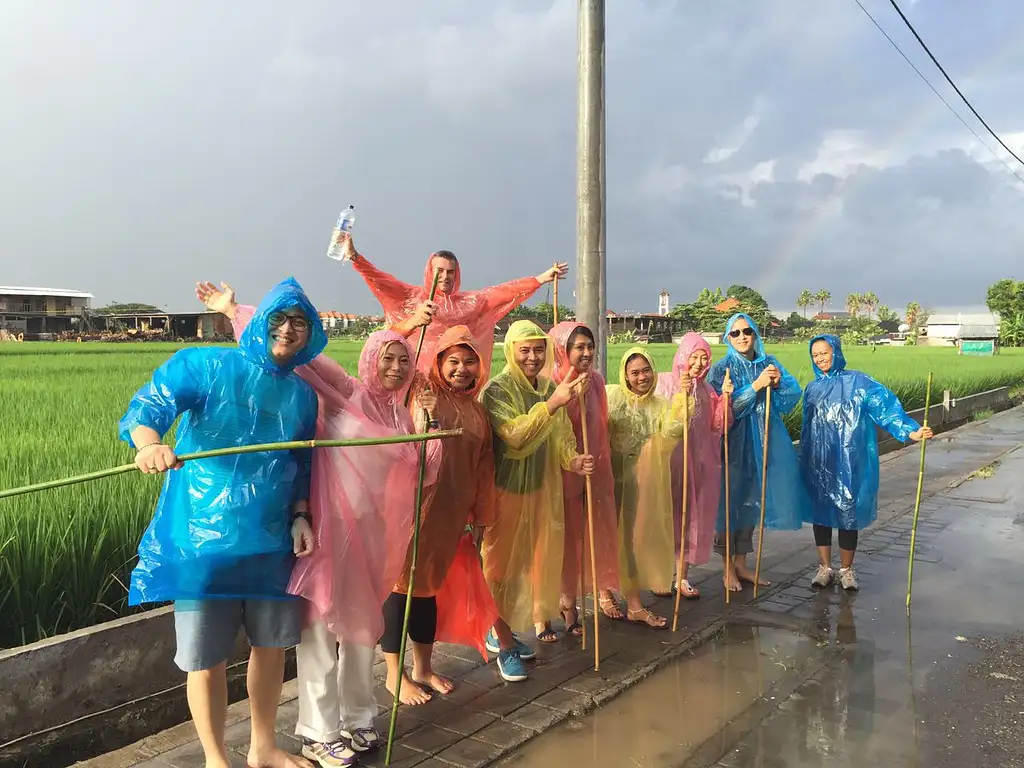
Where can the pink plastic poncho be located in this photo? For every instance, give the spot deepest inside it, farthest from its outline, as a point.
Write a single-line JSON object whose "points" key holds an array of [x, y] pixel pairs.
{"points": [[574, 487], [705, 479], [362, 499], [477, 310]]}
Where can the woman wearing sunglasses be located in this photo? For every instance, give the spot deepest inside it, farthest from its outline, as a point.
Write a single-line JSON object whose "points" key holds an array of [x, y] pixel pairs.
{"points": [[753, 371]]}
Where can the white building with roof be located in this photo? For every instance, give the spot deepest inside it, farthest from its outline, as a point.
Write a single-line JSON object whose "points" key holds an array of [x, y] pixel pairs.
{"points": [[42, 310], [948, 329]]}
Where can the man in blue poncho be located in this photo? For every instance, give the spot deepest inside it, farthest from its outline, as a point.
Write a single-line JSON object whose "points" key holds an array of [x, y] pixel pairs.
{"points": [[839, 453], [226, 530], [752, 372]]}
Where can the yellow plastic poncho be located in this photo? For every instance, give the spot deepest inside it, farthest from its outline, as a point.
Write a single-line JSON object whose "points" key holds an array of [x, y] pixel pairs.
{"points": [[644, 430], [522, 551]]}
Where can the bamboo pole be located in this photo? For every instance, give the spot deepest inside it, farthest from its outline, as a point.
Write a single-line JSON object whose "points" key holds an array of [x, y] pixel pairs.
{"points": [[764, 486], [920, 488], [554, 292], [685, 508], [423, 335], [292, 445], [410, 592], [590, 529], [725, 448]]}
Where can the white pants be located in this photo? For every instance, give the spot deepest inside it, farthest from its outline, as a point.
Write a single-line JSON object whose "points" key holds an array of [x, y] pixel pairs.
{"points": [[335, 685]]}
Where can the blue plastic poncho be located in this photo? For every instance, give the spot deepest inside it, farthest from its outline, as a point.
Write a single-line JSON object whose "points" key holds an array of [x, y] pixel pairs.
{"points": [[839, 442], [786, 502], [222, 526]]}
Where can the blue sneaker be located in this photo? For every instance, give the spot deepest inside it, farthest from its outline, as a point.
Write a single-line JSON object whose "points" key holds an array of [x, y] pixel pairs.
{"points": [[511, 666], [526, 653]]}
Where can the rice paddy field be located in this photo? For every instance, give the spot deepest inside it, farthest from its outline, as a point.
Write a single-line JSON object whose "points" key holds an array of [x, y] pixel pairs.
{"points": [[65, 554]]}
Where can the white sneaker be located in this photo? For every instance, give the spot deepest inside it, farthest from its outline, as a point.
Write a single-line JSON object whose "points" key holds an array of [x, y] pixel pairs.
{"points": [[823, 576], [848, 579]]}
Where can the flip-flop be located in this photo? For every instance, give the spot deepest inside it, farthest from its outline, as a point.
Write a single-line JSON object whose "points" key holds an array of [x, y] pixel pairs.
{"points": [[687, 591]]}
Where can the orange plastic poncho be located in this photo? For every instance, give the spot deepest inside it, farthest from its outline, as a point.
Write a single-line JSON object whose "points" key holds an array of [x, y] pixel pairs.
{"points": [[477, 310], [574, 486], [644, 430], [448, 565], [522, 551]]}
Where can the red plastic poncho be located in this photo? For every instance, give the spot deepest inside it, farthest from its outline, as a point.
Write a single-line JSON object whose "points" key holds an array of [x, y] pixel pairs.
{"points": [[705, 479], [477, 310], [362, 499], [602, 483], [448, 564]]}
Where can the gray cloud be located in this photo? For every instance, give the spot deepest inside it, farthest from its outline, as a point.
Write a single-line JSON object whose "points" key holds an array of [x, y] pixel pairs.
{"points": [[146, 146]]}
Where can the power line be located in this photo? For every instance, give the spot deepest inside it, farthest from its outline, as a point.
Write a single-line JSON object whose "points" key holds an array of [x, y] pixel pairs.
{"points": [[950, 80], [942, 98]]}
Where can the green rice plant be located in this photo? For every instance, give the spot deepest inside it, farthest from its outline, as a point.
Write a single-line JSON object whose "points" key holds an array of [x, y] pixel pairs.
{"points": [[66, 554]]}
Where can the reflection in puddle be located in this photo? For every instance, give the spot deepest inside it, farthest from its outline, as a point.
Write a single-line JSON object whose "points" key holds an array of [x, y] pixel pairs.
{"points": [[664, 719]]}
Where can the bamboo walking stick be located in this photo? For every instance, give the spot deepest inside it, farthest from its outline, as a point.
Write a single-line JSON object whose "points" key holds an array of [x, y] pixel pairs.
{"points": [[293, 445], [764, 486], [685, 508], [423, 334], [590, 529], [728, 531], [554, 291], [409, 593], [920, 488]]}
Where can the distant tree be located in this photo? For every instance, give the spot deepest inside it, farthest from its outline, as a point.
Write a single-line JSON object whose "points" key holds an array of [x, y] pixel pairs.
{"points": [[1006, 298], [853, 303], [869, 301], [130, 308], [752, 303], [795, 322], [805, 300], [913, 313], [822, 299], [688, 314], [887, 320]]}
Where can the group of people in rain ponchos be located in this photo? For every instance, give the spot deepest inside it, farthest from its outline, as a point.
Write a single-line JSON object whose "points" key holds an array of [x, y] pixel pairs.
{"points": [[312, 548]]}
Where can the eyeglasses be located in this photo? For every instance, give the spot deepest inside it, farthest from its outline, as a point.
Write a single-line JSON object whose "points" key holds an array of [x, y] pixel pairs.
{"points": [[299, 322], [735, 333]]}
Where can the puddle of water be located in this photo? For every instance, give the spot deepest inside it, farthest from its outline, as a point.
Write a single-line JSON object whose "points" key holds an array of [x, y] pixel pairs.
{"points": [[665, 719]]}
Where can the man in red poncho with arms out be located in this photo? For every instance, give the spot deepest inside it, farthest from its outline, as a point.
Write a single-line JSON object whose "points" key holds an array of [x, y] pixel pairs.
{"points": [[408, 308]]}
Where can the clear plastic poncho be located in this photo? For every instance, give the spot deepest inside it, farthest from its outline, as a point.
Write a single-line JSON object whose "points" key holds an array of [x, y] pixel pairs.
{"points": [[786, 501], [522, 551], [448, 565], [644, 430], [705, 474], [222, 526], [477, 310], [839, 442], [574, 486], [362, 499]]}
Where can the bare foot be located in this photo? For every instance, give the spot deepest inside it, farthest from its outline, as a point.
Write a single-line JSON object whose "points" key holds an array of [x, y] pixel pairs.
{"points": [[411, 694], [442, 685], [731, 582], [747, 575], [275, 758]]}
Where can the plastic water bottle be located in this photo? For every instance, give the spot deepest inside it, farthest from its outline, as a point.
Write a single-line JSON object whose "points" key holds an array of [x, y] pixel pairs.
{"points": [[345, 223]]}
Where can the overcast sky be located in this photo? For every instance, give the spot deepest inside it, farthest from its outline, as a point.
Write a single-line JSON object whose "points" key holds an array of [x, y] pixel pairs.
{"points": [[778, 143]]}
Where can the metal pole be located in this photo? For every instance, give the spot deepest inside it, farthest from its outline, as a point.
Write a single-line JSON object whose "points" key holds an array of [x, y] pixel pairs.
{"points": [[591, 306]]}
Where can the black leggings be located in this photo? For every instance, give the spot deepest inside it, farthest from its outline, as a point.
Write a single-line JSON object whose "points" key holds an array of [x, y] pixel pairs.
{"points": [[422, 621], [823, 538]]}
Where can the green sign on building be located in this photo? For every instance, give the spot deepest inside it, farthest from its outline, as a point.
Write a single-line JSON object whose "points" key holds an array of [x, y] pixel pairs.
{"points": [[978, 347]]}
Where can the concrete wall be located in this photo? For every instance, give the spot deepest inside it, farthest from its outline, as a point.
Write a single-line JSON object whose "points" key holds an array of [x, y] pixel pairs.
{"points": [[951, 412]]}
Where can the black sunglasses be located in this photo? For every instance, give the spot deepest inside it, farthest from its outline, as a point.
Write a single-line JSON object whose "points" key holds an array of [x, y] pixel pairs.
{"points": [[299, 322], [735, 333]]}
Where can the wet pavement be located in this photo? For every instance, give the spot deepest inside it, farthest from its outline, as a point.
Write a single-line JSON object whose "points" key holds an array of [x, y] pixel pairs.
{"points": [[802, 678]]}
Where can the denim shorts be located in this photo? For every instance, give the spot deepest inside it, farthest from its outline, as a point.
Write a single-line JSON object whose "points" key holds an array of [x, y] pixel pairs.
{"points": [[206, 630]]}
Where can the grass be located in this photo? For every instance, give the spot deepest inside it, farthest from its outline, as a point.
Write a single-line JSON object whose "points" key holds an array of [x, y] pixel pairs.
{"points": [[65, 554]]}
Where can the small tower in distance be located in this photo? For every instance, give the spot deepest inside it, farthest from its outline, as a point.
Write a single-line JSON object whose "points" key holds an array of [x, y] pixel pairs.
{"points": [[663, 303]]}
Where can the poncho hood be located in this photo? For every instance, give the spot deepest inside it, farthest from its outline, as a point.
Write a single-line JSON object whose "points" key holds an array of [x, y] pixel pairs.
{"points": [[838, 358], [255, 342], [759, 353], [456, 336]]}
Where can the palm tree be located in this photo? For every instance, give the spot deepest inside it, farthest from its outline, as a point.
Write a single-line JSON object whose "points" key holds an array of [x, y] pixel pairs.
{"points": [[853, 303], [804, 300], [870, 302], [913, 310], [823, 297]]}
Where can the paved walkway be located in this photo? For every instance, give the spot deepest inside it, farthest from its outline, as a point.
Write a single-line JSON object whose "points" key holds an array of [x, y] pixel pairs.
{"points": [[485, 718]]}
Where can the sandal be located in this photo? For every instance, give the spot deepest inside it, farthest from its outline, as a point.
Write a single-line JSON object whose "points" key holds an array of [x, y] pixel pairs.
{"points": [[610, 607], [574, 627], [645, 617], [688, 591], [547, 635]]}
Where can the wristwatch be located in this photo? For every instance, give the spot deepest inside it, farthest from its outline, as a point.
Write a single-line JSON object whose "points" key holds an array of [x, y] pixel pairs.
{"points": [[305, 515]]}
